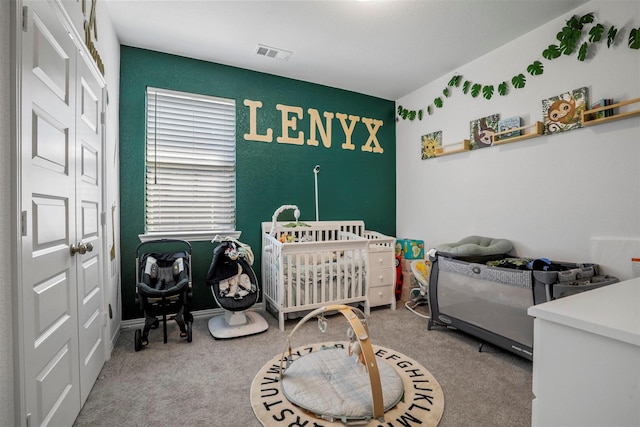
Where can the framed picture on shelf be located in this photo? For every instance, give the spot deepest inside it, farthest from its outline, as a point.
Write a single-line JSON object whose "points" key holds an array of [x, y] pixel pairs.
{"points": [[482, 130], [430, 142], [563, 112]]}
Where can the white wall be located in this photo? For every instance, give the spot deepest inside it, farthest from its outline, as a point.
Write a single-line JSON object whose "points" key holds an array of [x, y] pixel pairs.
{"points": [[110, 49], [573, 196], [6, 308]]}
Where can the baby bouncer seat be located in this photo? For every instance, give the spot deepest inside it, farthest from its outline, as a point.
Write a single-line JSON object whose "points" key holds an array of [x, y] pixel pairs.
{"points": [[235, 289], [163, 288]]}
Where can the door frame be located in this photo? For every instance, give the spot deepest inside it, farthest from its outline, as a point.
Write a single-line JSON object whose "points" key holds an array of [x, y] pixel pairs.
{"points": [[16, 41]]}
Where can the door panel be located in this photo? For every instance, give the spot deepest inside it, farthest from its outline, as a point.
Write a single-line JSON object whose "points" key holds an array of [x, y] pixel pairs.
{"points": [[88, 201], [61, 192], [49, 299], [51, 60]]}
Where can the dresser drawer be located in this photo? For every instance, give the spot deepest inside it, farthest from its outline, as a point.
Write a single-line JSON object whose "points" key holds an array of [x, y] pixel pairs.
{"points": [[381, 295], [381, 260], [381, 276]]}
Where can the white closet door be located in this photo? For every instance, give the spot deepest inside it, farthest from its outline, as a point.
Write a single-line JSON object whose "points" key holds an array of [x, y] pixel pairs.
{"points": [[88, 229], [61, 291]]}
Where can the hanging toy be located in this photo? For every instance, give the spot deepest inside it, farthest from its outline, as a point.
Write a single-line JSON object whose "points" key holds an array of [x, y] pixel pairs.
{"points": [[354, 346]]}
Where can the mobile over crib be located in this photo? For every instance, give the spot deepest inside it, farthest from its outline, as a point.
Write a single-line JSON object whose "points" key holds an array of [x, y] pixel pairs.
{"points": [[315, 263]]}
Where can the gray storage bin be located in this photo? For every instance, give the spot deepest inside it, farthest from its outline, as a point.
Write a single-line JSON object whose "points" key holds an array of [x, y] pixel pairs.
{"points": [[550, 285]]}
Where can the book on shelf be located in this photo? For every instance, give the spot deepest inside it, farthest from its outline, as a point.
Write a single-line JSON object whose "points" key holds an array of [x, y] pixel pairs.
{"points": [[603, 113], [509, 123]]}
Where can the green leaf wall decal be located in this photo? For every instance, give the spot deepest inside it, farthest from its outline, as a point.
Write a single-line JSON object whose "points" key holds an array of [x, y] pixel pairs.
{"points": [[466, 86], [399, 109], [582, 53], [455, 80], [420, 114], [634, 38], [573, 23], [438, 102], [519, 81], [552, 52], [487, 91], [568, 45], [429, 110], [446, 92], [412, 115], [595, 34], [611, 36], [503, 88], [475, 89], [536, 68], [587, 19]]}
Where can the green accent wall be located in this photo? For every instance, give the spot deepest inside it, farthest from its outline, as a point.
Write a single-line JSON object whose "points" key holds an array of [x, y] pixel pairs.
{"points": [[352, 184]]}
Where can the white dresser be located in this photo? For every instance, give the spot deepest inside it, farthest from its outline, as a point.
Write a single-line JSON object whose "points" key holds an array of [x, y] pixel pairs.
{"points": [[381, 277], [586, 358]]}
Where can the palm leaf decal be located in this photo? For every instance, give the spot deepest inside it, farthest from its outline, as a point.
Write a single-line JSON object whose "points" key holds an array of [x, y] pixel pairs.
{"points": [[519, 81], [536, 68], [455, 80], [475, 89], [466, 86], [634, 38], [582, 53], [595, 34], [503, 88], [487, 91], [552, 52], [611, 36]]}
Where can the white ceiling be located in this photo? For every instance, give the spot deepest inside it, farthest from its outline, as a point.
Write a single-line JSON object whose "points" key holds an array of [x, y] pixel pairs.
{"points": [[382, 48]]}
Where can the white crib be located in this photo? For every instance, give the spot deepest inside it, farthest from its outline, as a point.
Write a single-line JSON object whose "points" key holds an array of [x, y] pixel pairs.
{"points": [[321, 263]]}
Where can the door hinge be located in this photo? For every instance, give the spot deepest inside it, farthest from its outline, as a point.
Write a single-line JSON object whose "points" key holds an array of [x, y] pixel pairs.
{"points": [[103, 118], [25, 17], [23, 223], [28, 419], [103, 218]]}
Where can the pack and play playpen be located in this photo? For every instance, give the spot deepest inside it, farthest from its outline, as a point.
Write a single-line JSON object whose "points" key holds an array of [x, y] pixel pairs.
{"points": [[308, 265], [487, 294]]}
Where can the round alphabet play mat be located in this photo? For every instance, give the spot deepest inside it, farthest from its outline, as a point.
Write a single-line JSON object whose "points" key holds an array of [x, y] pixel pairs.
{"points": [[422, 401]]}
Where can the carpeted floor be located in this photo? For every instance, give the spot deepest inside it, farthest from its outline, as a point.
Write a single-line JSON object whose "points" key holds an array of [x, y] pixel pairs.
{"points": [[207, 382]]}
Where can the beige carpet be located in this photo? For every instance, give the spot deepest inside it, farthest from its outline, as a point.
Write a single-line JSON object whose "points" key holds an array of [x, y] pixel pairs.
{"points": [[423, 401]]}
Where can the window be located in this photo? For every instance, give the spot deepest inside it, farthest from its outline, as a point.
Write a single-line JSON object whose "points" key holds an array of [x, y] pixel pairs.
{"points": [[190, 165]]}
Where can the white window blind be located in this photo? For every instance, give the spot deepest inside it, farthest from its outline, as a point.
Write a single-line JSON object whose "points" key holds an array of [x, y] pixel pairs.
{"points": [[190, 164]]}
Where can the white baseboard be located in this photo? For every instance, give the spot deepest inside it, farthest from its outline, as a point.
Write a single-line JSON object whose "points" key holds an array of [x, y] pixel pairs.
{"points": [[199, 314]]}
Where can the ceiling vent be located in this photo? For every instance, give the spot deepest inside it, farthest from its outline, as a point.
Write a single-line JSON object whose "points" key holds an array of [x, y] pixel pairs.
{"points": [[272, 52]]}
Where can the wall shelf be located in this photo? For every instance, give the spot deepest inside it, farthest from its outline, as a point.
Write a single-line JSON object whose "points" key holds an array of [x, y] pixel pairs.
{"points": [[445, 151], [532, 131], [588, 120], [536, 129]]}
